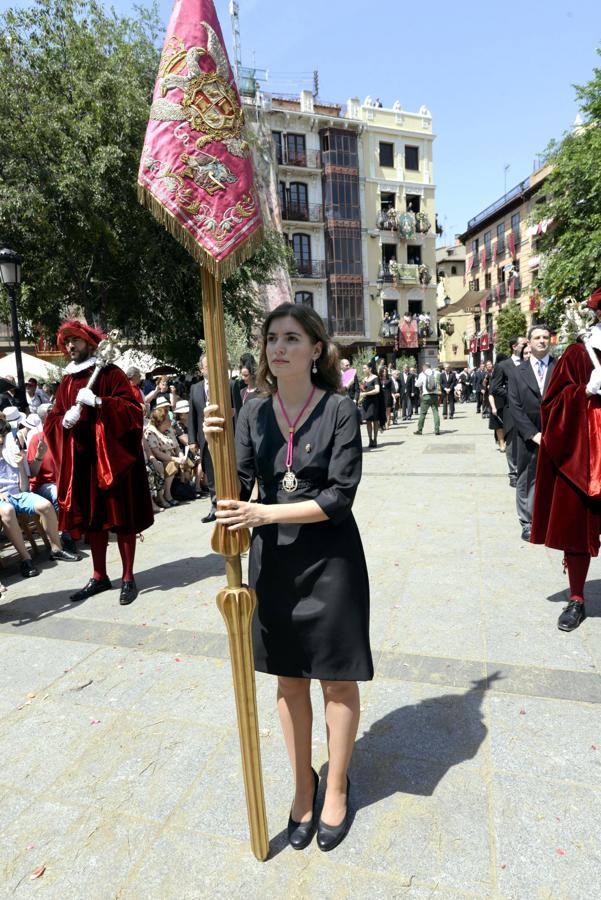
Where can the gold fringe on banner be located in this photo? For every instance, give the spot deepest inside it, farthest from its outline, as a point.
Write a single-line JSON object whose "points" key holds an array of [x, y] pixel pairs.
{"points": [[220, 269]]}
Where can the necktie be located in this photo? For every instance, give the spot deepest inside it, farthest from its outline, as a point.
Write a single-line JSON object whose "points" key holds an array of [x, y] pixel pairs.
{"points": [[541, 369]]}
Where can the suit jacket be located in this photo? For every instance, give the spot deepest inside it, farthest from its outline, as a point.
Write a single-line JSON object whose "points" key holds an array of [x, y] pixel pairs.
{"points": [[477, 379], [448, 381], [408, 387], [499, 388], [197, 402], [525, 399]]}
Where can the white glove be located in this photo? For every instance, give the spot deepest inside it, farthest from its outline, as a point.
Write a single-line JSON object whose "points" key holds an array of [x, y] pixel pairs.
{"points": [[86, 396], [594, 382], [72, 416]]}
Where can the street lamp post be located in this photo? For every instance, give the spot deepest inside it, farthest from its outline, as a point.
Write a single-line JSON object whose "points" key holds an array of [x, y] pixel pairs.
{"points": [[10, 274]]}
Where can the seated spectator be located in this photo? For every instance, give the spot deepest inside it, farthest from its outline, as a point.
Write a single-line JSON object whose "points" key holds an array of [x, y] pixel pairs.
{"points": [[16, 499], [43, 473], [164, 454], [192, 460], [35, 395], [33, 425]]}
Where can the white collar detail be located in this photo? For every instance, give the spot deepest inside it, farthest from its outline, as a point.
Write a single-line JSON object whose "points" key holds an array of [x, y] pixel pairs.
{"points": [[595, 338], [73, 368]]}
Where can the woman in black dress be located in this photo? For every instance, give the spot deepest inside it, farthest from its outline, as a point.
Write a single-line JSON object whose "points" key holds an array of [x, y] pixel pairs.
{"points": [[386, 387], [496, 405], [370, 401], [306, 560]]}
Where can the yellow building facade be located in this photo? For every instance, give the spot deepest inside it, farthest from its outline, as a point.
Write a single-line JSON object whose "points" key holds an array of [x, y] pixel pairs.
{"points": [[399, 216]]}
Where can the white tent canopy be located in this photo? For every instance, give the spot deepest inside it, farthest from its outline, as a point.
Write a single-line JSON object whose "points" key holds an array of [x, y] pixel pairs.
{"points": [[142, 361], [33, 367]]}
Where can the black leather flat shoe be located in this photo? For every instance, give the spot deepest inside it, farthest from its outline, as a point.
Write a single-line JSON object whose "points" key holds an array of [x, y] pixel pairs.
{"points": [[128, 594], [329, 836], [94, 586], [300, 834], [572, 616]]}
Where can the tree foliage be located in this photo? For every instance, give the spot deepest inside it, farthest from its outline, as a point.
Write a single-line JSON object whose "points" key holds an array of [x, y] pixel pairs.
{"points": [[573, 198], [511, 322], [76, 88]]}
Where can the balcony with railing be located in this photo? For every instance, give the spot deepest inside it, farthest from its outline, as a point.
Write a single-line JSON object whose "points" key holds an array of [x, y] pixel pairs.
{"points": [[309, 268], [350, 325], [302, 159], [402, 273], [302, 212]]}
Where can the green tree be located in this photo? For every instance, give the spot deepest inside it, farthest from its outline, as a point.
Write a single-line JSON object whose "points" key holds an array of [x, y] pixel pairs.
{"points": [[511, 322], [573, 199], [76, 88]]}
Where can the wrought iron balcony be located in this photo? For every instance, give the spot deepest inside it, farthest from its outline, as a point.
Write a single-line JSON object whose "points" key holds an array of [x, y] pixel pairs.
{"points": [[310, 268], [304, 159], [302, 212]]}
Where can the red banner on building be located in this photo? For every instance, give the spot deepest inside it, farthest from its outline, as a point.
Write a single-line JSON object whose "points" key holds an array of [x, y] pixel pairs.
{"points": [[498, 292], [484, 341], [511, 242], [474, 345], [484, 257], [407, 338], [512, 287]]}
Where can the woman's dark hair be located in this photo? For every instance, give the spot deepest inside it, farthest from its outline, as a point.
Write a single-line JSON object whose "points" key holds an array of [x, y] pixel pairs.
{"points": [[327, 376], [382, 369], [247, 361], [373, 369], [523, 349]]}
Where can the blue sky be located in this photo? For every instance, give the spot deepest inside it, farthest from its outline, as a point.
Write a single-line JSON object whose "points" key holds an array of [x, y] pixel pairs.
{"points": [[497, 76]]}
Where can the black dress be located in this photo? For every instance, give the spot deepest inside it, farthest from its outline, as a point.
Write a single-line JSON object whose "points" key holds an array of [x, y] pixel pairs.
{"points": [[312, 615], [371, 404]]}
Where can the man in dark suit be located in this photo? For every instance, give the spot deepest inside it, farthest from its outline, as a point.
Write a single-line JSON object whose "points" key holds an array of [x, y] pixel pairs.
{"points": [[406, 384], [499, 390], [477, 379], [199, 397], [448, 380], [527, 387]]}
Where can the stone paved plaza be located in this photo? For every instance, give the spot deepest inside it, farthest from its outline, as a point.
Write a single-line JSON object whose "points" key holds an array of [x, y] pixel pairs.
{"points": [[477, 770]]}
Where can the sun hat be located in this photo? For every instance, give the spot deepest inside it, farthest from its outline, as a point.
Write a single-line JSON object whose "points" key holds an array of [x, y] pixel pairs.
{"points": [[33, 421], [182, 406], [13, 415], [162, 401]]}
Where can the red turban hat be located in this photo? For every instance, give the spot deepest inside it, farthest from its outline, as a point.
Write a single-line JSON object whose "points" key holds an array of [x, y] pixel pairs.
{"points": [[73, 328], [594, 301]]}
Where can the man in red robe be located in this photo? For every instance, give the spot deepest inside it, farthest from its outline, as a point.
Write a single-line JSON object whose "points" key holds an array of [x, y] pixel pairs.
{"points": [[96, 439], [567, 501]]}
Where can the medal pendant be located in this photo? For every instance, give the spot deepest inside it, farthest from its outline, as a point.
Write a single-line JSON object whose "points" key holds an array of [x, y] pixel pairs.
{"points": [[289, 482]]}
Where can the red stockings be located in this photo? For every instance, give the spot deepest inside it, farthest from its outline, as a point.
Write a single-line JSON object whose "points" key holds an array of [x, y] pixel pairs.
{"points": [[127, 548], [577, 565]]}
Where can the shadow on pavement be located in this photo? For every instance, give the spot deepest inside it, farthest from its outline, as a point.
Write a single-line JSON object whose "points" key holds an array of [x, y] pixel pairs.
{"points": [[176, 574], [411, 749], [592, 595]]}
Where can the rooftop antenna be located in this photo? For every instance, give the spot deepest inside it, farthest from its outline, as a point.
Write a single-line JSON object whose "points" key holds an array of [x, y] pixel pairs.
{"points": [[506, 169], [315, 83], [235, 17]]}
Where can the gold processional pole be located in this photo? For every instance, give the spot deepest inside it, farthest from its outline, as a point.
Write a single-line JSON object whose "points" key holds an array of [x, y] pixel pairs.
{"points": [[236, 602]]}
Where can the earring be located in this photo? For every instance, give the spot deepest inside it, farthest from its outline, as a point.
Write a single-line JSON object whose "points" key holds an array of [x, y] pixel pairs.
{"points": [[314, 369]]}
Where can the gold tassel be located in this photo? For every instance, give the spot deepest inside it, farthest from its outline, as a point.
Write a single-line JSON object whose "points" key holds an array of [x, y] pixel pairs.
{"points": [[220, 269]]}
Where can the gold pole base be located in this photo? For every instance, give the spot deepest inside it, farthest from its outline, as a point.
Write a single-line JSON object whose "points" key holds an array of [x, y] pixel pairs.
{"points": [[236, 605]]}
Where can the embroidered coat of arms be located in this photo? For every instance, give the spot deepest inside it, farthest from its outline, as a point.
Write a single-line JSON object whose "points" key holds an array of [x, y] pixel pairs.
{"points": [[196, 172]]}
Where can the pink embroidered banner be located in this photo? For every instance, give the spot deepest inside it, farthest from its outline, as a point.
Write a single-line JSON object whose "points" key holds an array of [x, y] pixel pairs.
{"points": [[196, 173], [484, 257]]}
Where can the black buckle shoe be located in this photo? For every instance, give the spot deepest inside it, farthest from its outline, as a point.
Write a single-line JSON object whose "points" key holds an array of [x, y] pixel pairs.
{"points": [[300, 834], [572, 616], [329, 836], [27, 569], [64, 555], [128, 594], [94, 586]]}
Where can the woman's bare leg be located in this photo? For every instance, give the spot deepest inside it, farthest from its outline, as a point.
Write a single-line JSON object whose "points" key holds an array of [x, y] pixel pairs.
{"points": [[296, 716], [341, 700]]}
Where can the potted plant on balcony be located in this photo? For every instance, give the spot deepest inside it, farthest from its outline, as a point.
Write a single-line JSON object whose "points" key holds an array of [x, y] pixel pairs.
{"points": [[425, 275], [424, 325], [422, 223]]}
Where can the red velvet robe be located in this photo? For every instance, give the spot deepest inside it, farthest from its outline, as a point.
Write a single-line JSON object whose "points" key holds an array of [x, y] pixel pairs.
{"points": [[102, 483], [567, 499]]}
